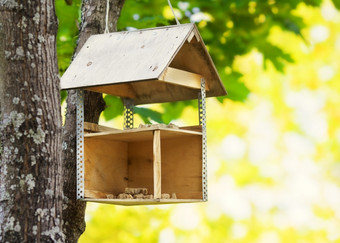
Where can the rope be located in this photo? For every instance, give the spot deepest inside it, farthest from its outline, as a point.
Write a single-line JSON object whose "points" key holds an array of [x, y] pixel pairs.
{"points": [[173, 12], [106, 31]]}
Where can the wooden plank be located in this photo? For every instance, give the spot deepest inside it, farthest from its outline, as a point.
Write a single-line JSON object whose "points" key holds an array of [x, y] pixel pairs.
{"points": [[182, 166], [121, 90], [192, 34], [140, 164], [180, 77], [93, 128], [124, 135], [138, 91], [142, 134], [97, 194], [94, 194], [178, 133], [197, 128], [157, 164], [125, 56], [190, 195], [158, 126], [149, 91], [155, 91], [106, 165], [134, 202]]}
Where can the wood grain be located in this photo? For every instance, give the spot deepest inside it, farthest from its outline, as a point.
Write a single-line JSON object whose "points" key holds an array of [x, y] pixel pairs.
{"points": [[140, 134], [149, 66], [125, 56], [106, 168], [157, 170], [182, 166], [164, 160], [140, 164], [94, 128], [197, 128], [136, 202], [182, 78]]}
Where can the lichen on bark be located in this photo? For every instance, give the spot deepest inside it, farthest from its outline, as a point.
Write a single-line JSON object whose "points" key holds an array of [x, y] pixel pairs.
{"points": [[37, 168], [31, 155]]}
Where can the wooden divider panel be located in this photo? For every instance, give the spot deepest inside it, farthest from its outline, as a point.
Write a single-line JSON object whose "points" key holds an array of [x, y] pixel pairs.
{"points": [[157, 164]]}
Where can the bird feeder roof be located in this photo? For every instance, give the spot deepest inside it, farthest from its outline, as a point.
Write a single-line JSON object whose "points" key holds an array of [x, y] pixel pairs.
{"points": [[149, 66]]}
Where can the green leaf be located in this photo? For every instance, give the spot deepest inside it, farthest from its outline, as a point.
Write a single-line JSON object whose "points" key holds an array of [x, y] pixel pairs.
{"points": [[314, 3], [114, 107], [147, 115], [275, 55], [63, 96], [336, 4], [237, 90], [173, 110], [68, 16]]}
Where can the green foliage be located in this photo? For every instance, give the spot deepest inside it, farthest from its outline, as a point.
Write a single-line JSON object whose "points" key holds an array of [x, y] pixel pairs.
{"points": [[237, 90], [147, 115], [63, 96], [274, 54], [68, 16], [173, 110], [114, 107], [336, 3]]}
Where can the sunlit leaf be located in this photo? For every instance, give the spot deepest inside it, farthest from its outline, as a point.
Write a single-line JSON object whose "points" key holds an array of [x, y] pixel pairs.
{"points": [[237, 90], [275, 55], [173, 110], [336, 3], [63, 96], [114, 107], [147, 115]]}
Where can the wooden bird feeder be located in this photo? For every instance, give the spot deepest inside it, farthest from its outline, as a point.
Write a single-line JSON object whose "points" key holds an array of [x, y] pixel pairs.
{"points": [[151, 164]]}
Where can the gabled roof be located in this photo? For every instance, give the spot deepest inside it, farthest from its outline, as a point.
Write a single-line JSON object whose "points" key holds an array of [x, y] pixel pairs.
{"points": [[149, 66]]}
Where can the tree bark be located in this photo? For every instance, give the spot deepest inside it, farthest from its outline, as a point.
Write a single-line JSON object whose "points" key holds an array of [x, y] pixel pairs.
{"points": [[38, 171], [93, 22], [30, 124]]}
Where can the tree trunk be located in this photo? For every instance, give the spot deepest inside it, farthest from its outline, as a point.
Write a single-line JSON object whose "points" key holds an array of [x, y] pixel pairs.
{"points": [[38, 170], [93, 22], [31, 129]]}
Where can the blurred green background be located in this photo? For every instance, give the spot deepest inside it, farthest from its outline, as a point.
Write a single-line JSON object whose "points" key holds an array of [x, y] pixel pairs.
{"points": [[273, 142]]}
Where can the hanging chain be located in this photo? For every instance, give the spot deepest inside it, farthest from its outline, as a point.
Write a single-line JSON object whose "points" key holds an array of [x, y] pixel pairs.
{"points": [[128, 113]]}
